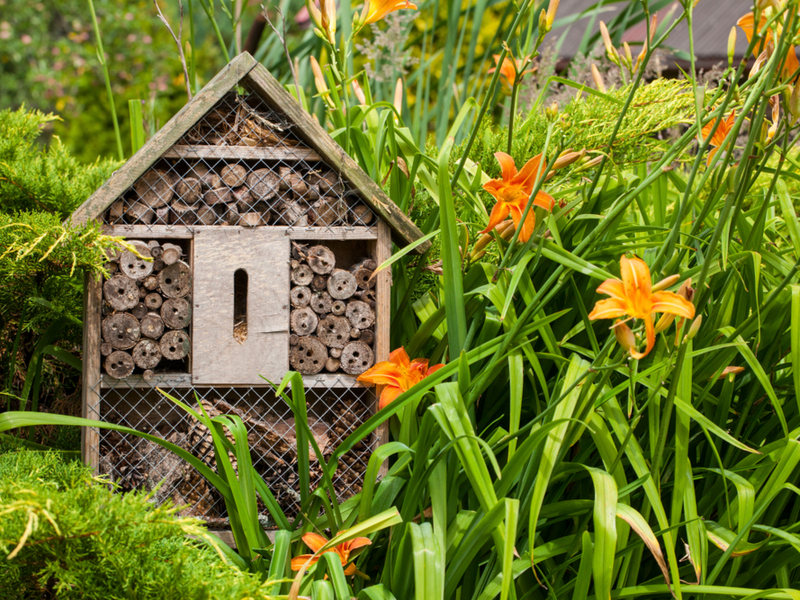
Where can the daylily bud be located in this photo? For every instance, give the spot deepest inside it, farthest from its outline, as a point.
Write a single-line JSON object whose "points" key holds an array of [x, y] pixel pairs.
{"points": [[606, 38], [794, 102], [731, 45], [477, 256], [776, 115], [664, 322], [590, 164], [598, 79], [732, 371], [398, 96], [628, 55], [551, 112], [362, 99], [625, 337], [567, 159], [543, 24], [666, 282], [695, 327], [551, 13]]}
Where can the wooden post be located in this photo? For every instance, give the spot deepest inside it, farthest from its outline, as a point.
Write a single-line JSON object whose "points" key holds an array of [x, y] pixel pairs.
{"points": [[383, 310], [90, 393]]}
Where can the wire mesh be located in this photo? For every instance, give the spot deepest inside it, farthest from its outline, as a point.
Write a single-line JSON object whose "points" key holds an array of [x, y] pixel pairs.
{"points": [[135, 463], [241, 164]]}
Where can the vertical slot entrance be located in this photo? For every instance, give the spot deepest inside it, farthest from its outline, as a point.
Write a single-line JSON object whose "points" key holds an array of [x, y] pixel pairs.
{"points": [[240, 305]]}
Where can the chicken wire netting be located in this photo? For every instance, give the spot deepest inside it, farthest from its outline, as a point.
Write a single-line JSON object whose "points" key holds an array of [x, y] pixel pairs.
{"points": [[133, 463], [241, 164]]}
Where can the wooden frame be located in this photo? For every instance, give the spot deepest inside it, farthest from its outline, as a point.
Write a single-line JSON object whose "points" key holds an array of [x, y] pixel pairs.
{"points": [[90, 391], [375, 239]]}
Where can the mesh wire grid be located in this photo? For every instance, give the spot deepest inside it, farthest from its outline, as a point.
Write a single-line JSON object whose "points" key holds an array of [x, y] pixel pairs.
{"points": [[241, 164], [134, 463]]}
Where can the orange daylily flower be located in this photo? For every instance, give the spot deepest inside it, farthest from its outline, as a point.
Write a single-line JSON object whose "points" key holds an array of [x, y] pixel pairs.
{"points": [[747, 23], [633, 297], [375, 10], [719, 135], [512, 192], [316, 541], [399, 374], [510, 70]]}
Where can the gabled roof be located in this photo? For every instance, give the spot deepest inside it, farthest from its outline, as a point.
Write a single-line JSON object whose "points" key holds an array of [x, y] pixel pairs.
{"points": [[245, 71]]}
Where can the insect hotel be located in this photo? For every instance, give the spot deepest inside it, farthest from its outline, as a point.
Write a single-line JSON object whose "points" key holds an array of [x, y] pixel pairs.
{"points": [[256, 241]]}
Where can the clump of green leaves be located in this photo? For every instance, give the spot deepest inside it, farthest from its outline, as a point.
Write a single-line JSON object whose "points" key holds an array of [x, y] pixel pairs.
{"points": [[61, 533], [42, 258]]}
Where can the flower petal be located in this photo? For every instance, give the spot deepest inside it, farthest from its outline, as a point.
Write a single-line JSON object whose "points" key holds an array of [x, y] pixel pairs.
{"points": [[388, 395], [299, 561], [359, 542], [711, 156], [507, 165], [612, 287], [528, 227], [350, 569], [314, 541], [610, 308], [384, 373], [636, 277], [400, 357], [544, 200], [498, 215], [527, 176], [673, 304], [433, 369]]}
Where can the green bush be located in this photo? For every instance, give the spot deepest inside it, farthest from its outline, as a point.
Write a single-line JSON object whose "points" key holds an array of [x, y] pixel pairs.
{"points": [[42, 259], [64, 534]]}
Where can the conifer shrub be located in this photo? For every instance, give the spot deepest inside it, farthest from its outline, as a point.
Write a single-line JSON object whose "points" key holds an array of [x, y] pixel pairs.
{"points": [[65, 535]]}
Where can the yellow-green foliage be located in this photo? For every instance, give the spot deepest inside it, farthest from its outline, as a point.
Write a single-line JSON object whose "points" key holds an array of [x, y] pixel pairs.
{"points": [[588, 121], [61, 533]]}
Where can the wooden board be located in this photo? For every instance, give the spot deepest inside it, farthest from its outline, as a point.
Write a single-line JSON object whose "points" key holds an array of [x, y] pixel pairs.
{"points": [[168, 135], [159, 232], [242, 153], [90, 389], [217, 357], [312, 133], [383, 310]]}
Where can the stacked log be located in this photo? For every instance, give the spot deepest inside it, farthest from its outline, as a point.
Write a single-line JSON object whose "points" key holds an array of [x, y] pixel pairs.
{"points": [[147, 310], [333, 313], [238, 193]]}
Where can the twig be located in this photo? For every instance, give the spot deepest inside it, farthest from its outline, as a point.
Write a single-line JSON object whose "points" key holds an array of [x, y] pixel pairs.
{"points": [[178, 39], [282, 38]]}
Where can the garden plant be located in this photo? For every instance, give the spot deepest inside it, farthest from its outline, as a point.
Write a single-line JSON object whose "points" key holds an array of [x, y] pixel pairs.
{"points": [[593, 391]]}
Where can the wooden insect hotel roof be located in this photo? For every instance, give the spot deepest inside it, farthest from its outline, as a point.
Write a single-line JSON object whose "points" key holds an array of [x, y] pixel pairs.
{"points": [[310, 142]]}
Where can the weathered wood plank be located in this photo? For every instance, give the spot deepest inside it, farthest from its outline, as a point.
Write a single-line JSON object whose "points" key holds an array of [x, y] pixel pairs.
{"points": [[146, 232], [168, 135], [242, 153], [162, 380], [383, 310], [218, 358], [328, 380], [90, 392], [183, 232], [310, 132], [333, 233]]}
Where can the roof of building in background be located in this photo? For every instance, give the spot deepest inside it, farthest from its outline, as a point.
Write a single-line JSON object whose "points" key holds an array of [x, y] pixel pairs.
{"points": [[713, 20]]}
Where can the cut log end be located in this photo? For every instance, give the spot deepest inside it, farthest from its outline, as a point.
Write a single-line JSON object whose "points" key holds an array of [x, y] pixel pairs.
{"points": [[147, 354], [321, 260], [175, 345], [341, 284], [121, 330], [308, 356], [356, 358], [304, 321], [302, 275], [119, 364]]}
